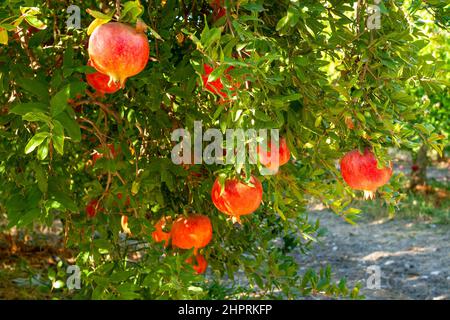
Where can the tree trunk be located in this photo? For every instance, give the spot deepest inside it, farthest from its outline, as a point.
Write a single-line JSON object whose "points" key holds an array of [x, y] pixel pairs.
{"points": [[419, 168]]}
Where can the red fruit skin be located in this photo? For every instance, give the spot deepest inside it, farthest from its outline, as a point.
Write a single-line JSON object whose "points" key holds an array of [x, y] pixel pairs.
{"points": [[284, 154], [216, 86], [97, 156], [159, 235], [190, 232], [237, 198], [100, 82], [201, 265], [360, 171], [92, 208], [118, 50]]}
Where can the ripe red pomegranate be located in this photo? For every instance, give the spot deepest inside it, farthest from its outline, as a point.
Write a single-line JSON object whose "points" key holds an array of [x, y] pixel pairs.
{"points": [[97, 155], [159, 234], [201, 265], [190, 232], [100, 82], [93, 207], [284, 154], [216, 86], [237, 198], [360, 172], [118, 50]]}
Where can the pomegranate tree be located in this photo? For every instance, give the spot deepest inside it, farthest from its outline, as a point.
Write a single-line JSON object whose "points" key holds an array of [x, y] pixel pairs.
{"points": [[361, 172], [237, 198], [119, 51]]}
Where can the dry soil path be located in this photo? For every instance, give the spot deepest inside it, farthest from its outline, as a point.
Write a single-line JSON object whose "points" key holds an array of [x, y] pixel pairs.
{"points": [[413, 257]]}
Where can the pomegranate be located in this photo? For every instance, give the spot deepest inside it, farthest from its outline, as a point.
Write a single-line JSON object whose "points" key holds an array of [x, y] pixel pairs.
{"points": [[93, 207], [216, 86], [159, 234], [201, 265], [100, 82], [119, 51], [237, 198], [360, 172], [284, 154], [190, 232]]}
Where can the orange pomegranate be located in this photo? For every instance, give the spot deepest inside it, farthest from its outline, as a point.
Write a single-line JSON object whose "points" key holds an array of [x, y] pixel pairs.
{"points": [[201, 265], [119, 51], [159, 234], [194, 231], [100, 82], [360, 172], [284, 154], [237, 198]]}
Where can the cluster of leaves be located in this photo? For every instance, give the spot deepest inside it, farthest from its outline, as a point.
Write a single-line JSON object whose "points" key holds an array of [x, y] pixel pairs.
{"points": [[309, 68]]}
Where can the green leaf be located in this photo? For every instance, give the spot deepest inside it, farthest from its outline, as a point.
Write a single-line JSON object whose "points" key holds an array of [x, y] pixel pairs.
{"points": [[42, 151], [34, 142], [58, 136], [24, 108], [41, 177], [35, 22], [59, 102], [100, 15], [71, 126], [34, 86], [131, 11], [262, 116], [37, 116], [216, 73], [210, 37], [155, 34]]}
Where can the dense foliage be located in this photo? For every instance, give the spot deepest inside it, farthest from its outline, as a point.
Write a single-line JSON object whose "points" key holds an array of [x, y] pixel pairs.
{"points": [[312, 69]]}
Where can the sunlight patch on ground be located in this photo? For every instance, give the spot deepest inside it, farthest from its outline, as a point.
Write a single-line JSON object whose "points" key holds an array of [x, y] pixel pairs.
{"points": [[374, 256]]}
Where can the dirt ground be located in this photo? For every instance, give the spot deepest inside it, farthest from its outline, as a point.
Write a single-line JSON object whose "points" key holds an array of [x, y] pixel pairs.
{"points": [[414, 258]]}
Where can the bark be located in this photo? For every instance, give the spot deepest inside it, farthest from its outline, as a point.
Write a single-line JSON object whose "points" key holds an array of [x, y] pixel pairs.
{"points": [[419, 168]]}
